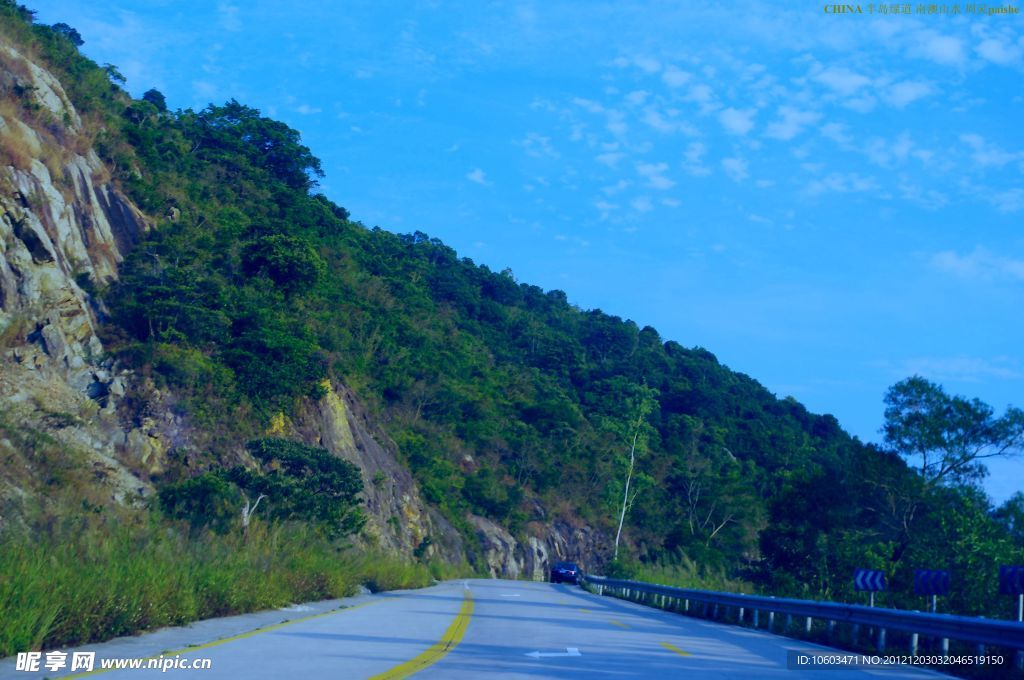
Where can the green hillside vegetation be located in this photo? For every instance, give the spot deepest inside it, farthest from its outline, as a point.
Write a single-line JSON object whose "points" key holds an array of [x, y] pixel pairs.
{"points": [[505, 400]]}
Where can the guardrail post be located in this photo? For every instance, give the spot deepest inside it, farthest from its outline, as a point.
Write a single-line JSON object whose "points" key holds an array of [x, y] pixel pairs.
{"points": [[807, 626], [714, 612], [756, 612], [913, 644], [831, 629], [741, 614], [945, 647], [789, 623], [881, 640], [771, 621], [686, 606]]}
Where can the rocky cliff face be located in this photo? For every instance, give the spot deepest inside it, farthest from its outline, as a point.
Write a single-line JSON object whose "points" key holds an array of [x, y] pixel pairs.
{"points": [[64, 229]]}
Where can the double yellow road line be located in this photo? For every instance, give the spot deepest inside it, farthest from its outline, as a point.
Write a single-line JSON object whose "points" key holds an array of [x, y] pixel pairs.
{"points": [[449, 641]]}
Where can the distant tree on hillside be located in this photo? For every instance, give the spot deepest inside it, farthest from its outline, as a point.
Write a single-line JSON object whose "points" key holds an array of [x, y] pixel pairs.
{"points": [[68, 32], [948, 437], [156, 98]]}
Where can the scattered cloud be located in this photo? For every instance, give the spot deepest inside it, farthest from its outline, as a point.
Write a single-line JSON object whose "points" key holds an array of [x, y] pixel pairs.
{"points": [[537, 145], [675, 77], [842, 80], [906, 92], [791, 122], [981, 264], [988, 155], [654, 173], [230, 19], [693, 160], [306, 109], [1000, 52], [637, 97], [647, 64], [478, 176], [611, 159], [956, 368], [737, 121], [735, 168], [837, 182], [642, 204], [945, 50]]}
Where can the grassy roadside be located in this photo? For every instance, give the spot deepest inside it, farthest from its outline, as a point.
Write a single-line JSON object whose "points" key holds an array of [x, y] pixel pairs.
{"points": [[89, 581]]}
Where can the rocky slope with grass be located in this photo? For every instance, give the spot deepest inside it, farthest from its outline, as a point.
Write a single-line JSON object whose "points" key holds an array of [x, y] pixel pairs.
{"points": [[65, 228]]}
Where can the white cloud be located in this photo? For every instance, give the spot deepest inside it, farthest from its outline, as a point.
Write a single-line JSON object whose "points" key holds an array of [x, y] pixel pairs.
{"points": [[671, 202], [693, 160], [906, 92], [736, 168], [229, 17], [657, 122], [616, 188], [703, 96], [616, 123], [306, 109], [606, 208], [610, 159], [477, 175], [837, 133], [637, 97], [986, 154], [941, 49], [588, 105], [737, 121], [887, 153], [675, 77], [999, 52], [642, 204], [647, 64], [841, 183], [956, 369], [842, 80], [539, 146], [791, 123], [655, 175], [1009, 201]]}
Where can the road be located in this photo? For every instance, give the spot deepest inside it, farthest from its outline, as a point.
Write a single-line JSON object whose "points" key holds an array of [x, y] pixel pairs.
{"points": [[470, 629]]}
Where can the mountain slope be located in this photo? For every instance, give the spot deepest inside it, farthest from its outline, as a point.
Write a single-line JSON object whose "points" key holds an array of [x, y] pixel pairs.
{"points": [[490, 419]]}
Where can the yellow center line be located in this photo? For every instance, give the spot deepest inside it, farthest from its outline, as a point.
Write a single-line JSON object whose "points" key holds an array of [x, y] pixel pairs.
{"points": [[673, 648], [222, 641], [620, 624], [449, 641], [586, 611]]}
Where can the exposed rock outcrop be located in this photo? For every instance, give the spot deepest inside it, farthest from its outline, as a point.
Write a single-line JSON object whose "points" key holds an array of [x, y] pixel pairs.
{"points": [[531, 557], [64, 229]]}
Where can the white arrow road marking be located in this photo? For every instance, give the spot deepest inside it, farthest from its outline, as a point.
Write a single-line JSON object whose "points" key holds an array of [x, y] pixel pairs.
{"points": [[512, 595], [569, 651]]}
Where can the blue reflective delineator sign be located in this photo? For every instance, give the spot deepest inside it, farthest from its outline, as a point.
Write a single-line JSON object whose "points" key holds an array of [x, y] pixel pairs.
{"points": [[1011, 580], [931, 581], [869, 579]]}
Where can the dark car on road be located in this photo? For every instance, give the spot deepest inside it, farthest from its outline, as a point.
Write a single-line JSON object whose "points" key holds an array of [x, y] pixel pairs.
{"points": [[565, 572]]}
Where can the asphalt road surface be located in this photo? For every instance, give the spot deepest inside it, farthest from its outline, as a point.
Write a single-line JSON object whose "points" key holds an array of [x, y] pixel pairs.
{"points": [[467, 629]]}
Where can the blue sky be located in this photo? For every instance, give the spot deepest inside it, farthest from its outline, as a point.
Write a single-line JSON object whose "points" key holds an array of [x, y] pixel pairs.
{"points": [[828, 203]]}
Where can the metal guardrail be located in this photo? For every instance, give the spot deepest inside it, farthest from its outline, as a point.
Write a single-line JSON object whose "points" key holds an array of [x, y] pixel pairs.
{"points": [[1009, 634]]}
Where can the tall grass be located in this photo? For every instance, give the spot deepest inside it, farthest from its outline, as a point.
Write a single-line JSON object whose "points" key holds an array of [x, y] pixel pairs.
{"points": [[680, 571], [88, 581]]}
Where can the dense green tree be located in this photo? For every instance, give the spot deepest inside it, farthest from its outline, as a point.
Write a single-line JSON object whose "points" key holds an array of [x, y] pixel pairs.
{"points": [[948, 437], [303, 483]]}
